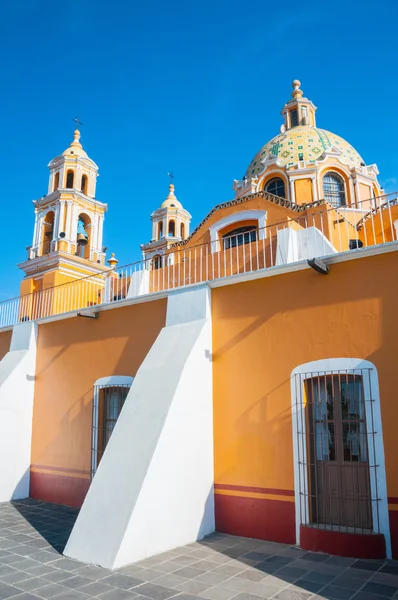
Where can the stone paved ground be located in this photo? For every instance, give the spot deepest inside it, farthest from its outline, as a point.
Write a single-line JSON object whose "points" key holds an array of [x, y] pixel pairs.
{"points": [[221, 567]]}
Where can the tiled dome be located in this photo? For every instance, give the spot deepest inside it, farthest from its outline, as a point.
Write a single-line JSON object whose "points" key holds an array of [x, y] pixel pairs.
{"points": [[303, 143]]}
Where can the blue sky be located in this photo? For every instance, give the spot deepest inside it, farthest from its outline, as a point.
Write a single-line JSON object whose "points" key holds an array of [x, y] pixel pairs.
{"points": [[192, 87]]}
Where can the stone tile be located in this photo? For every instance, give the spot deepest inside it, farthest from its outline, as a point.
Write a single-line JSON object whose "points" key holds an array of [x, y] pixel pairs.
{"points": [[317, 577], [67, 564], [218, 593], [247, 596], [43, 556], [58, 575], [213, 578], [26, 596], [385, 578], [40, 570], [125, 582], [289, 594], [392, 569], [171, 580], [251, 575], [336, 593], [192, 587], [260, 556], [156, 592], [95, 588], [14, 578], [75, 582], [189, 572], [118, 594], [228, 569], [10, 559], [71, 595], [147, 574], [209, 565], [291, 573], [366, 596], [264, 590], [50, 591], [315, 556], [379, 588], [367, 565], [306, 586], [240, 585], [6, 570], [351, 583], [183, 596], [341, 561], [7, 591], [359, 574], [31, 584]]}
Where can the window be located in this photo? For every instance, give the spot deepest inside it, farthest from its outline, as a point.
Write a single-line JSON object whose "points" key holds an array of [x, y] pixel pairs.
{"points": [[110, 394], [240, 236], [293, 118], [84, 184], [182, 230], [334, 189], [157, 262], [69, 179], [56, 181], [275, 186], [160, 230], [172, 228]]}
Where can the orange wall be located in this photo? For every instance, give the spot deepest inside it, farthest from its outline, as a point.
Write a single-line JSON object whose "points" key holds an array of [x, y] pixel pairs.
{"points": [[5, 341], [303, 191], [262, 330], [72, 354]]}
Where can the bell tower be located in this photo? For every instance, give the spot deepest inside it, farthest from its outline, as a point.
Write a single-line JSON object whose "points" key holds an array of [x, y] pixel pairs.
{"points": [[170, 224], [68, 229]]}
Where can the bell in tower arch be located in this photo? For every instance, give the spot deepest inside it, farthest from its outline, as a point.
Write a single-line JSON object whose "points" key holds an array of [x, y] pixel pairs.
{"points": [[82, 235]]}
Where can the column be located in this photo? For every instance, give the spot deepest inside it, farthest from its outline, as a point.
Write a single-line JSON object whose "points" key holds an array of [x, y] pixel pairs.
{"points": [[314, 194], [292, 192]]}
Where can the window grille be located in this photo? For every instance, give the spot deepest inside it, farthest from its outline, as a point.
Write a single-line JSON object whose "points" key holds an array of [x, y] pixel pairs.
{"points": [[240, 236], [276, 186], [107, 405], [336, 451], [334, 189]]}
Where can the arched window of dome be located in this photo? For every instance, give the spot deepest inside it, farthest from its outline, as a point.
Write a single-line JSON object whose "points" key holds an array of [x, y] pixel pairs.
{"points": [[84, 184], [240, 236], [56, 181], [69, 179], [275, 186], [182, 230], [334, 189], [157, 262], [160, 229], [172, 228]]}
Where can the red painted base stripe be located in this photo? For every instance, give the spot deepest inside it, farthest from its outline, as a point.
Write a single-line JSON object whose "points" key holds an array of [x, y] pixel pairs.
{"points": [[255, 490], [59, 489], [260, 518], [355, 545]]}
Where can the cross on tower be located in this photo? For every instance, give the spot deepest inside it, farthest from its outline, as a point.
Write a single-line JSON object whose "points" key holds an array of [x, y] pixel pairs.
{"points": [[77, 122], [171, 176]]}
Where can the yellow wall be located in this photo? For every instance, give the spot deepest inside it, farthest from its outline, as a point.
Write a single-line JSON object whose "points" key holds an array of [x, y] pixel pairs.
{"points": [[262, 330], [5, 341], [72, 354], [303, 191]]}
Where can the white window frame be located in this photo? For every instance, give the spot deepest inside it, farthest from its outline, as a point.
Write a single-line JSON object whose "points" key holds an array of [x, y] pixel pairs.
{"points": [[375, 442], [243, 215], [103, 382]]}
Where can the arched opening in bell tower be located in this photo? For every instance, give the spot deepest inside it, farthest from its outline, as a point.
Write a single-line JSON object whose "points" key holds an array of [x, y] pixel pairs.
{"points": [[84, 184], [47, 232], [56, 181], [83, 236], [69, 179], [172, 228], [160, 230], [182, 230]]}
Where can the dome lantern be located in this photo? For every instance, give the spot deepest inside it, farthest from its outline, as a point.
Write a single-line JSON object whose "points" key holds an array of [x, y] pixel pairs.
{"points": [[299, 110]]}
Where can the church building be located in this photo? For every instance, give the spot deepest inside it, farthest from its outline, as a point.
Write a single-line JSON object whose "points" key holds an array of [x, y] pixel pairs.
{"points": [[239, 378]]}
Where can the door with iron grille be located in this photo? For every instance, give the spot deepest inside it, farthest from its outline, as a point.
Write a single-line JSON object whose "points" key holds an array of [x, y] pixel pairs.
{"points": [[338, 452]]}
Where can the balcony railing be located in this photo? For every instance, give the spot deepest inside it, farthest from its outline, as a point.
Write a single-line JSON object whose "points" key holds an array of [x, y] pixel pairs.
{"points": [[322, 231]]}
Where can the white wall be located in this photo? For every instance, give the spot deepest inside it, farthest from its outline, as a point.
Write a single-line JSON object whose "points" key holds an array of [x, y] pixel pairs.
{"points": [[303, 244], [153, 489], [17, 379]]}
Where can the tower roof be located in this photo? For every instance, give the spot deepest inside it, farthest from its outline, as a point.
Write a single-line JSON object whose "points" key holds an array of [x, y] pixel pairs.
{"points": [[75, 146], [171, 200]]}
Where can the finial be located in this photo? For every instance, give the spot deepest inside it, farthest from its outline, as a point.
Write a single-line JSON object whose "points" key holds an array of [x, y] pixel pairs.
{"points": [[296, 93], [76, 135], [112, 261]]}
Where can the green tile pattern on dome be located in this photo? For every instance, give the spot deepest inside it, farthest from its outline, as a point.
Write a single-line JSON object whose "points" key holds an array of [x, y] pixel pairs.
{"points": [[309, 142]]}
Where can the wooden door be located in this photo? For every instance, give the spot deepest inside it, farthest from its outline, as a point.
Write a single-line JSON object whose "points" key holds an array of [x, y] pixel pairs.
{"points": [[338, 452]]}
